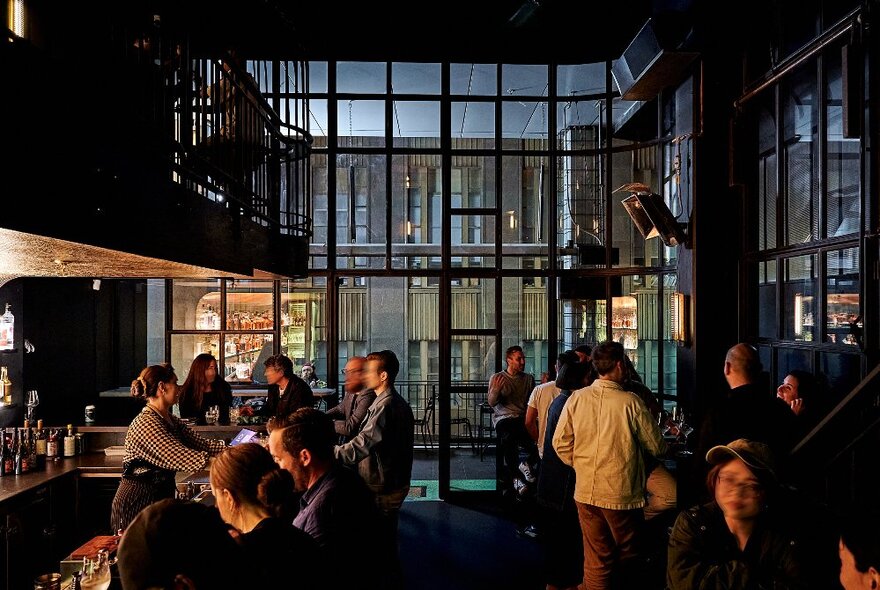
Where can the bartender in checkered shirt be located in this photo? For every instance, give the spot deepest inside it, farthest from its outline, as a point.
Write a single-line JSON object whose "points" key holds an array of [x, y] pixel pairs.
{"points": [[157, 445]]}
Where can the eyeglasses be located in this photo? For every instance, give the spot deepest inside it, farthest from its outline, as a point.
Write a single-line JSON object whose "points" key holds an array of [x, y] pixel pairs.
{"points": [[350, 371], [748, 490]]}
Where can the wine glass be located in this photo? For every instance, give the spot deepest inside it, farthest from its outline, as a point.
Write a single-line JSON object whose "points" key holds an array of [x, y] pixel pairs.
{"points": [[96, 573], [33, 400], [684, 430]]}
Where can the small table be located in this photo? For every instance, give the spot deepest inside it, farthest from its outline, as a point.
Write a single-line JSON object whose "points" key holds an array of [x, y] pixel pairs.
{"points": [[325, 397]]}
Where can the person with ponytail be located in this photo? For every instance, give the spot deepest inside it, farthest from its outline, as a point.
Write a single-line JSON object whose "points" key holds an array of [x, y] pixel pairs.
{"points": [[157, 445], [257, 498]]}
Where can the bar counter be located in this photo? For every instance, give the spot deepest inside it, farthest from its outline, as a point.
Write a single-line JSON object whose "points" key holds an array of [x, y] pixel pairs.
{"points": [[95, 463]]}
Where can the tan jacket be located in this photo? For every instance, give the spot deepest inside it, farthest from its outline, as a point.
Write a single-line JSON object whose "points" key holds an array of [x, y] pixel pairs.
{"points": [[602, 433]]}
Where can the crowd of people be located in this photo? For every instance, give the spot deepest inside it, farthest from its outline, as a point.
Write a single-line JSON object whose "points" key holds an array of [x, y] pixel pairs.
{"points": [[584, 459]]}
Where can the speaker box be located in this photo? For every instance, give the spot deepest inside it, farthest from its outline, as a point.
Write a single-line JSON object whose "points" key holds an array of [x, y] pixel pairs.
{"points": [[652, 61]]}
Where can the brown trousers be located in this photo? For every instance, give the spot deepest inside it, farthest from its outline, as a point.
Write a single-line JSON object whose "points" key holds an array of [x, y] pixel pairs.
{"points": [[609, 541]]}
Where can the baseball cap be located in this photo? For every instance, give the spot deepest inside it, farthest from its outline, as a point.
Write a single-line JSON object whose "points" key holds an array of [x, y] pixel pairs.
{"points": [[755, 455]]}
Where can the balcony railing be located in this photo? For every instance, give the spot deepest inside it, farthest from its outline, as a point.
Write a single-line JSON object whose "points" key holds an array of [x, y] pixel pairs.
{"points": [[220, 133], [465, 412]]}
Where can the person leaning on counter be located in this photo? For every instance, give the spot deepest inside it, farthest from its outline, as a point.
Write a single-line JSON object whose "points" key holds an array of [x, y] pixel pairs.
{"points": [[204, 388], [157, 445]]}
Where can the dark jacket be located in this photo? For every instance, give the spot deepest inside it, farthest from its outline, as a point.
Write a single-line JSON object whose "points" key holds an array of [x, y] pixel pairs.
{"points": [[703, 554], [555, 478], [350, 413], [383, 449], [296, 395], [751, 412], [274, 544]]}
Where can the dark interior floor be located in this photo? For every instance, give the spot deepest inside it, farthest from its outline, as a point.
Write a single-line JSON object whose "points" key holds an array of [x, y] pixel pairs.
{"points": [[471, 540]]}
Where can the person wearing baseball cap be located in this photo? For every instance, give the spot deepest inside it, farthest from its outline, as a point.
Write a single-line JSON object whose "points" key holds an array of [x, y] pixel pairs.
{"points": [[177, 544], [736, 540]]}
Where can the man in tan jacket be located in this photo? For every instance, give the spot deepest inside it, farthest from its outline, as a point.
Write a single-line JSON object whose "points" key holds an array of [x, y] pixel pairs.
{"points": [[603, 433]]}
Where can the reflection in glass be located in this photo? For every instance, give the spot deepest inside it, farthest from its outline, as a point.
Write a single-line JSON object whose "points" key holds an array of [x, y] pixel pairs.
{"points": [[304, 325], [843, 320], [196, 304], [244, 355], [799, 289], [249, 305], [800, 117], [842, 204], [767, 299]]}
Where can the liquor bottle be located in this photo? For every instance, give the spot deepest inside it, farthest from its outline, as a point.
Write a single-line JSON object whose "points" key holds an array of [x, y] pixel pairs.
{"points": [[41, 445], [7, 465], [5, 386], [69, 442], [23, 444], [17, 451], [52, 444], [7, 329]]}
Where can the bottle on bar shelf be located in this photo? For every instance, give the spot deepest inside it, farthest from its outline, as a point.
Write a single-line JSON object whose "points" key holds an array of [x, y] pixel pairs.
{"points": [[17, 451], [41, 445], [5, 386], [7, 463], [69, 442], [52, 444]]}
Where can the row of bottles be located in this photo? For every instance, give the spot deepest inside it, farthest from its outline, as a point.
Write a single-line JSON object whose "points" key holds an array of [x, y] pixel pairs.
{"points": [[27, 449], [208, 318], [250, 320]]}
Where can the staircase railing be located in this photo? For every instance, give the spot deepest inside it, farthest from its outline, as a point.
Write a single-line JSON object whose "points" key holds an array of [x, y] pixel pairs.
{"points": [[839, 459], [230, 145]]}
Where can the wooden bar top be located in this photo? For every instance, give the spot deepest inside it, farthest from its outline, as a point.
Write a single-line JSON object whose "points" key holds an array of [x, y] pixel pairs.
{"points": [[13, 485]]}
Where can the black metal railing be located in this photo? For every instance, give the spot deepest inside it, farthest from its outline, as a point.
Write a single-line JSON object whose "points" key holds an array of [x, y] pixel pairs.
{"points": [[231, 146], [838, 459], [221, 135], [466, 426]]}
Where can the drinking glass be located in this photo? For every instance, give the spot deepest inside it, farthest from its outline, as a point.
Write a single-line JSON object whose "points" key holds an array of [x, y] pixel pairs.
{"points": [[96, 573], [212, 415], [33, 400]]}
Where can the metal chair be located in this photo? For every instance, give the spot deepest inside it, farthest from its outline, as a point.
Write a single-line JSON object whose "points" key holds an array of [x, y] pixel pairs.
{"points": [[465, 421], [425, 424]]}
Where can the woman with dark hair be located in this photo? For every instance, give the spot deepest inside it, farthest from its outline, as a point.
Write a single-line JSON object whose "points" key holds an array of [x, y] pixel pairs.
{"points": [[801, 392], [157, 445], [736, 541], [257, 497], [203, 389]]}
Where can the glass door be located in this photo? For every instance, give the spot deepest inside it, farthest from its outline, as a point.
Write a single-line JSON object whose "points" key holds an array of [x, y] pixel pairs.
{"points": [[467, 438]]}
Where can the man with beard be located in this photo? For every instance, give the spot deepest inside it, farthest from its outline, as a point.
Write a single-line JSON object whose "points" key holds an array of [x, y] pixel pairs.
{"points": [[336, 507]]}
